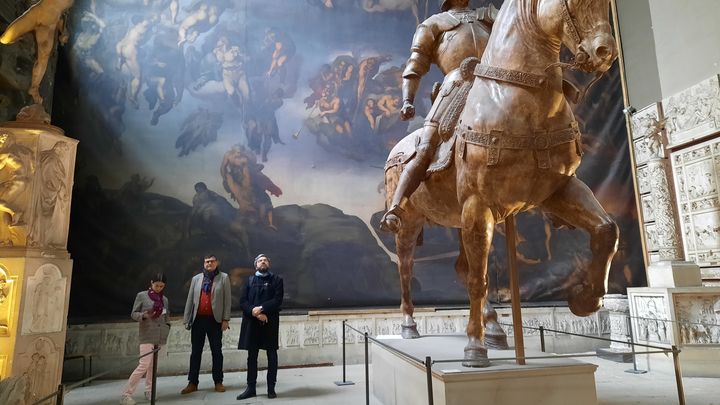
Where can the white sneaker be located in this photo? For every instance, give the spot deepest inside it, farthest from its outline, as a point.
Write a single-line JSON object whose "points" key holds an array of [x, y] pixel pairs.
{"points": [[148, 395], [127, 400]]}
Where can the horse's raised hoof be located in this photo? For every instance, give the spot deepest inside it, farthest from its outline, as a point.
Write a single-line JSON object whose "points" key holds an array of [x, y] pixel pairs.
{"points": [[496, 342], [583, 301], [409, 331]]}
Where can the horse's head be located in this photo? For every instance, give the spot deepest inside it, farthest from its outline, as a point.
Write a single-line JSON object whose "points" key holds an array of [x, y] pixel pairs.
{"points": [[584, 27]]}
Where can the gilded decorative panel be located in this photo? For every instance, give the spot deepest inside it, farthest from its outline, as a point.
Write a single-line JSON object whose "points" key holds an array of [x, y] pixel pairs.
{"points": [[694, 112], [7, 300]]}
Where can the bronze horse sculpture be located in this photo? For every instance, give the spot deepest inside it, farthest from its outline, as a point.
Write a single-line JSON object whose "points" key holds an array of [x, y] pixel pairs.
{"points": [[516, 147]]}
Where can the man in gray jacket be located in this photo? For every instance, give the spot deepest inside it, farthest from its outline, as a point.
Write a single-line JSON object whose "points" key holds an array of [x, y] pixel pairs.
{"points": [[207, 313]]}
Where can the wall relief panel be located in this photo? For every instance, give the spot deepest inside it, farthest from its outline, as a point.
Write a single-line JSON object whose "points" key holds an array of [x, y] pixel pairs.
{"points": [[45, 304], [650, 323], [7, 300], [700, 318], [694, 112], [39, 366], [696, 172]]}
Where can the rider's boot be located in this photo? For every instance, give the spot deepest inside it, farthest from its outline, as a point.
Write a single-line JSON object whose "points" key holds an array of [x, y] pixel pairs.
{"points": [[410, 178]]}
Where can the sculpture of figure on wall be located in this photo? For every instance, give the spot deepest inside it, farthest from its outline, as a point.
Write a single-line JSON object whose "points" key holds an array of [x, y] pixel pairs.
{"points": [[16, 169], [44, 18], [41, 310], [714, 330], [127, 53], [656, 137], [5, 286], [52, 208]]}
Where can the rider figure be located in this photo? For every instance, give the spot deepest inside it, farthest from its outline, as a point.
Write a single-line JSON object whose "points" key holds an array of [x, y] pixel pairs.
{"points": [[445, 39]]}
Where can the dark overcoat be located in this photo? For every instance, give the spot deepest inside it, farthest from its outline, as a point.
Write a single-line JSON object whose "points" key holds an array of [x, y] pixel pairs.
{"points": [[268, 293]]}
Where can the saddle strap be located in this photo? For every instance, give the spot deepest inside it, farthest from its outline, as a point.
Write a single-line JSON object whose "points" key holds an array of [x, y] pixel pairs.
{"points": [[448, 121], [511, 76], [541, 142]]}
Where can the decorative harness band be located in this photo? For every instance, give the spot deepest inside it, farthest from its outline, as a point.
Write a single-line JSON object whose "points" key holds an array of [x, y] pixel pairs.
{"points": [[541, 142], [511, 76]]}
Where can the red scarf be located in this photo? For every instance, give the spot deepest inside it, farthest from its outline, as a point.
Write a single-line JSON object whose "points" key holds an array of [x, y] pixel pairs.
{"points": [[158, 304]]}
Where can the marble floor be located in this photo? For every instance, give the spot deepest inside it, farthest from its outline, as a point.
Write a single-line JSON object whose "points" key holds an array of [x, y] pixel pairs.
{"points": [[313, 386]]}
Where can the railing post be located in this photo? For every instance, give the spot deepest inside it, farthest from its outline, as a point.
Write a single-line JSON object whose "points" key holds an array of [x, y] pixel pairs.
{"points": [[344, 381], [542, 338], [428, 373], [678, 375], [60, 395], [632, 351], [154, 377], [367, 372]]}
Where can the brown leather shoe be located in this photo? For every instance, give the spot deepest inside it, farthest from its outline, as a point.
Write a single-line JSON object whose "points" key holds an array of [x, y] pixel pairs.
{"points": [[219, 387], [190, 388]]}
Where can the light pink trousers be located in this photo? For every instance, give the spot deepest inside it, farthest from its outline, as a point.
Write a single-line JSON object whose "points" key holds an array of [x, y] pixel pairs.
{"points": [[144, 368]]}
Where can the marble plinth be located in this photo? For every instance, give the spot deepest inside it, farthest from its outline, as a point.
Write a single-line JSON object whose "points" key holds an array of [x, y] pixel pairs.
{"points": [[399, 381]]}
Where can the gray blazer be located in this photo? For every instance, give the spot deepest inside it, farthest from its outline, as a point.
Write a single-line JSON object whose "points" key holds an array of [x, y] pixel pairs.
{"points": [[154, 331], [219, 298]]}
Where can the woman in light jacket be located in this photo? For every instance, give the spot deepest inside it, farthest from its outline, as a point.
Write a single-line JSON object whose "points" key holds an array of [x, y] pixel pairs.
{"points": [[151, 311]]}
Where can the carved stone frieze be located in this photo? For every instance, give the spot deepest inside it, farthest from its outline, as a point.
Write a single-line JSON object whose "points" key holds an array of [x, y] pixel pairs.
{"points": [[694, 112], [650, 322], [39, 366], [696, 169], [648, 208], [643, 177], [699, 316], [664, 213], [7, 301], [648, 131], [45, 301]]}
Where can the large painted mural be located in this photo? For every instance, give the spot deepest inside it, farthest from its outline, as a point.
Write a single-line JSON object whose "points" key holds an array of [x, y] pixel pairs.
{"points": [[245, 126]]}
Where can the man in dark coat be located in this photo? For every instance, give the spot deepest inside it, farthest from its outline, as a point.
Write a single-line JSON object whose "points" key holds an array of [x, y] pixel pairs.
{"points": [[261, 300]]}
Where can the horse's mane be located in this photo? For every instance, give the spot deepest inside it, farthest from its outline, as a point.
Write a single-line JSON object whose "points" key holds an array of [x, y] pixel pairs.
{"points": [[528, 25]]}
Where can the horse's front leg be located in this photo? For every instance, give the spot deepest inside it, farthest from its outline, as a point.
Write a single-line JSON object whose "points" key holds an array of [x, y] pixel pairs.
{"points": [[575, 204], [478, 224], [405, 241]]}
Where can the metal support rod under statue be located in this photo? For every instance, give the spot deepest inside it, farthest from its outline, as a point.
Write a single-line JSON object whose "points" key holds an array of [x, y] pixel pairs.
{"points": [[542, 338], [632, 350], [510, 235]]}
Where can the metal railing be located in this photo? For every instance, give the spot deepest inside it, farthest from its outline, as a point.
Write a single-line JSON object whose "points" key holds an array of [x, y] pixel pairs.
{"points": [[428, 362], [62, 390]]}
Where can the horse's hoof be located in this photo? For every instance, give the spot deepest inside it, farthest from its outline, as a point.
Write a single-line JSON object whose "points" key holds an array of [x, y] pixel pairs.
{"points": [[409, 331], [390, 223], [583, 302], [476, 357], [497, 342]]}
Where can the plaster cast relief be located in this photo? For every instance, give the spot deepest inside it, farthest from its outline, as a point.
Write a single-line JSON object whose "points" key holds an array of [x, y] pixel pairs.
{"points": [[312, 334], [6, 302], [698, 318], [16, 173], [651, 324], [39, 367], [643, 180], [51, 208], [696, 170], [651, 237], [45, 303], [642, 152], [694, 112], [648, 208], [330, 332], [666, 225], [648, 125]]}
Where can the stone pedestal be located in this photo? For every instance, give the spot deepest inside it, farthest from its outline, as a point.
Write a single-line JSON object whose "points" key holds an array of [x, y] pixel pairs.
{"points": [[36, 173], [399, 381], [683, 317], [619, 314], [674, 274]]}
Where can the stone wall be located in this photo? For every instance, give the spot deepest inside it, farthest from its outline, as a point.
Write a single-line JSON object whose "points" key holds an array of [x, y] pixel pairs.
{"points": [[316, 338]]}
